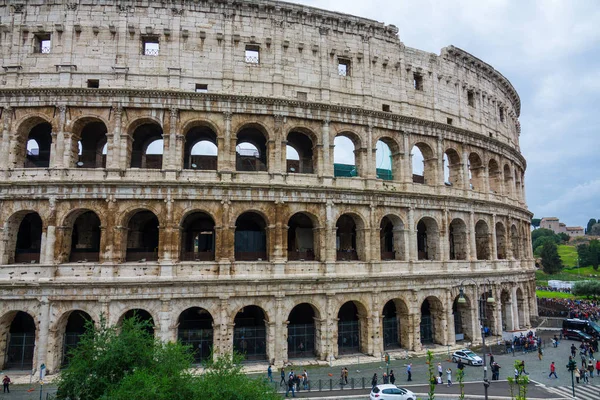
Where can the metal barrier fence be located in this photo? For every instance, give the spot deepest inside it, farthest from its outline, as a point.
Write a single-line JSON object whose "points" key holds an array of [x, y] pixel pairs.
{"points": [[326, 385]]}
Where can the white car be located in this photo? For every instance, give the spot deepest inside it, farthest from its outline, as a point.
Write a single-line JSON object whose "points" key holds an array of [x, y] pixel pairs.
{"points": [[391, 392], [467, 357]]}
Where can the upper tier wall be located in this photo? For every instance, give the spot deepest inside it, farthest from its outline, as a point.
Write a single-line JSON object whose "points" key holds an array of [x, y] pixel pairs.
{"points": [[299, 51]]}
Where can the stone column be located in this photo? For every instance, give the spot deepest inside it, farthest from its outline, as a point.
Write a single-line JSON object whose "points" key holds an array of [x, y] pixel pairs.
{"points": [[370, 155], [276, 151], [57, 148], [329, 248], [451, 335], [170, 156], [223, 333], [466, 180], [445, 237], [494, 239], [224, 244], [374, 242], [167, 322], [406, 160], [7, 117], [330, 345], [440, 154], [224, 146], [47, 248], [472, 241], [412, 250], [515, 308], [280, 354], [41, 342], [376, 327], [113, 137], [327, 160]]}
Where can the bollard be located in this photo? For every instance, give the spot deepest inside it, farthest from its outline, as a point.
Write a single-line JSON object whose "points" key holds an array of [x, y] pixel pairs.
{"points": [[330, 384], [352, 383], [320, 385], [363, 382]]}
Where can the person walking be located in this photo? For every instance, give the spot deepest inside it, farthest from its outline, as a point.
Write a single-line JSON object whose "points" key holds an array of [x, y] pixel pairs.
{"points": [[374, 381], [290, 387], [573, 350], [392, 377], [346, 375], [5, 382], [270, 373], [598, 367], [386, 379], [584, 375], [540, 353], [282, 381], [577, 374], [342, 377], [409, 371], [590, 368], [440, 370], [305, 380], [552, 370], [449, 376]]}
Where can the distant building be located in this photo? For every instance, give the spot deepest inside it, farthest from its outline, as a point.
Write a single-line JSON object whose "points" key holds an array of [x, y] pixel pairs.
{"points": [[556, 226]]}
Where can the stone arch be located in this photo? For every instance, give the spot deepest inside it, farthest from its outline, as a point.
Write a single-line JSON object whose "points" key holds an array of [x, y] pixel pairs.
{"points": [[88, 142], [301, 242], [501, 241], [142, 238], [251, 237], [508, 185], [463, 313], [427, 155], [515, 243], [303, 326], [506, 308], [523, 321], [251, 333], [458, 240], [432, 317], [198, 237], [392, 236], [302, 141], [395, 325], [24, 230], [453, 170], [428, 238], [495, 177], [71, 325], [482, 240], [343, 165], [388, 164], [81, 236], [201, 148], [142, 315], [36, 127], [350, 237], [143, 133], [251, 148], [18, 333], [195, 329], [476, 171], [517, 185], [353, 329]]}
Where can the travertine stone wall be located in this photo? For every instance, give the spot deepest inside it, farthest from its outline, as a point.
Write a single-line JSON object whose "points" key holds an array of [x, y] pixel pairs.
{"points": [[294, 89]]}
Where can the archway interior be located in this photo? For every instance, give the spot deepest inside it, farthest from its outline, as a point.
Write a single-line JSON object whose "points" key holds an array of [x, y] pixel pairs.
{"points": [[344, 157], [383, 161], [418, 165], [452, 169], [422, 243], [495, 177], [482, 241], [299, 153], [201, 150], [346, 238], [500, 241], [91, 146], [142, 238], [29, 239], [251, 150], [147, 148], [506, 310], [38, 146], [508, 186], [142, 316], [391, 327], [250, 334], [195, 329], [427, 323], [301, 331], [301, 238], [462, 319], [458, 240], [386, 239], [250, 238], [476, 172], [85, 238], [21, 343], [348, 329], [76, 326], [514, 242], [198, 238]]}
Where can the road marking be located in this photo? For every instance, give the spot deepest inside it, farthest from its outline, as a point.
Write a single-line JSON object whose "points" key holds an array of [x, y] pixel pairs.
{"points": [[584, 392]]}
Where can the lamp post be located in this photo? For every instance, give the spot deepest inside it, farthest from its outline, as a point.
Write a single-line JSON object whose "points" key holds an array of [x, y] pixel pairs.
{"points": [[482, 317]]}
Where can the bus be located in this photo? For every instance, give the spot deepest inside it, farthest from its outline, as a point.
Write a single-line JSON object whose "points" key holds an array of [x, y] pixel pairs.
{"points": [[584, 325]]}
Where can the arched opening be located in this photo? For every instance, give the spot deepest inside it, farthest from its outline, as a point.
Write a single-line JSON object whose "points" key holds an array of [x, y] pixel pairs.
{"points": [[514, 243], [299, 154], [29, 239], [500, 241], [489, 316], [517, 185], [250, 333], [428, 237], [423, 164], [91, 145], [85, 238], [195, 329], [250, 238], [508, 184], [463, 323], [200, 151], [347, 239], [20, 341], [453, 175], [495, 177], [458, 239], [302, 331], [431, 326], [251, 150], [391, 238], [395, 325], [142, 237], [522, 323], [39, 142], [142, 316], [352, 329], [346, 160], [482, 240], [301, 242], [384, 161], [147, 147], [76, 326], [476, 172], [507, 311], [198, 237]]}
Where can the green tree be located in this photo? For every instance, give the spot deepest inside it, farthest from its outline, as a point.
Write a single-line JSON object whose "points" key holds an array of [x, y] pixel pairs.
{"points": [[589, 254], [431, 373], [564, 238], [551, 262], [589, 289], [535, 222], [595, 231], [590, 223]]}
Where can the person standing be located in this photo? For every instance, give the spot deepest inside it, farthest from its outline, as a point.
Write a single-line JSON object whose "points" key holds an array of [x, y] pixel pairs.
{"points": [[374, 381], [540, 353], [393, 377], [577, 374], [598, 367], [386, 379], [270, 373], [552, 370], [342, 377], [5, 382], [409, 371], [290, 387], [282, 382], [440, 370], [573, 350], [346, 375], [590, 367], [305, 380], [449, 376]]}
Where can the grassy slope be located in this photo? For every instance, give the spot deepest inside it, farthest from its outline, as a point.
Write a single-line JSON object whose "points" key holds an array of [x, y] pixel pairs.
{"points": [[546, 294], [568, 255]]}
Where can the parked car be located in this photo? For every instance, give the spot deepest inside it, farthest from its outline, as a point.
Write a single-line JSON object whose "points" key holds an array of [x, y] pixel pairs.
{"points": [[467, 357], [391, 392], [584, 325], [577, 335]]}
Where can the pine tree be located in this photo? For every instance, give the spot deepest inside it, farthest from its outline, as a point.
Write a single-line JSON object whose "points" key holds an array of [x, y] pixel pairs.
{"points": [[551, 262]]}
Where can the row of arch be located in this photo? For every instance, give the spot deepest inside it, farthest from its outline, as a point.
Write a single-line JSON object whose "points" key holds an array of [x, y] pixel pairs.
{"points": [[305, 326], [199, 240], [89, 146]]}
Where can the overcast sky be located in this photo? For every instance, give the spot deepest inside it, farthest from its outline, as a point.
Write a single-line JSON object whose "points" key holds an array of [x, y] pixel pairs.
{"points": [[550, 51]]}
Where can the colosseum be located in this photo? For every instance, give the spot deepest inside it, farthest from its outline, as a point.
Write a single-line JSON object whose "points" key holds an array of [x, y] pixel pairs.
{"points": [[259, 176]]}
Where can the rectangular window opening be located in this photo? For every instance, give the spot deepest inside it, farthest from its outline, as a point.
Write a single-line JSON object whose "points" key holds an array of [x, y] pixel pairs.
{"points": [[418, 81], [201, 88], [471, 98], [343, 67], [93, 83], [449, 121], [501, 114], [252, 55], [302, 96], [43, 43], [386, 107], [150, 46]]}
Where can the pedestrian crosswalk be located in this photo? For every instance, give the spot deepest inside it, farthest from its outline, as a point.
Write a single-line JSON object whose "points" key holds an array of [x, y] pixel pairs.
{"points": [[582, 391]]}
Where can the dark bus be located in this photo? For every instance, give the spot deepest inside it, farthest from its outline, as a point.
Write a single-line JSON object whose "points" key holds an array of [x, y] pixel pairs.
{"points": [[584, 325]]}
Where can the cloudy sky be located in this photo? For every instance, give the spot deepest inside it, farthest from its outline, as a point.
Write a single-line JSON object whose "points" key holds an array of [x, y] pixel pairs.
{"points": [[550, 51]]}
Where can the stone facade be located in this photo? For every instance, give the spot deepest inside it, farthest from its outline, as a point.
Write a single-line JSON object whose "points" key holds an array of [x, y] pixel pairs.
{"points": [[277, 257], [556, 226]]}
